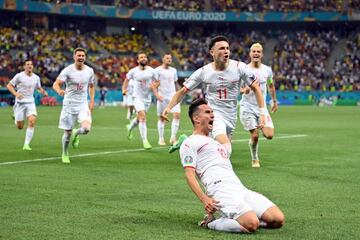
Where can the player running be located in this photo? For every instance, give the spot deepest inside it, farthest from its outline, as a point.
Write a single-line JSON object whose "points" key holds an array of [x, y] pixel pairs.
{"points": [[164, 90], [142, 77], [249, 110], [79, 80], [22, 86]]}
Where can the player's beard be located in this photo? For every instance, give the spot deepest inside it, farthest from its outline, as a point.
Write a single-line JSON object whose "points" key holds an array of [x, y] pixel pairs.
{"points": [[143, 63]]}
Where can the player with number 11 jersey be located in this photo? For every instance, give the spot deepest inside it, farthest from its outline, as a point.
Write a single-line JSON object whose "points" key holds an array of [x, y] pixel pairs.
{"points": [[222, 78], [222, 89]]}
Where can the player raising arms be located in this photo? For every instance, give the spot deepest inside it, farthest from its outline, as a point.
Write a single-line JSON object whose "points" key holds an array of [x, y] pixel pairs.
{"points": [[79, 80], [142, 76], [249, 110], [164, 90], [22, 86], [222, 78]]}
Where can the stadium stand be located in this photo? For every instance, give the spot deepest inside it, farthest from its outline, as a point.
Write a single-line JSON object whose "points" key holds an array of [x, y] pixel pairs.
{"points": [[125, 43], [191, 48], [302, 56], [279, 5], [346, 72], [225, 5]]}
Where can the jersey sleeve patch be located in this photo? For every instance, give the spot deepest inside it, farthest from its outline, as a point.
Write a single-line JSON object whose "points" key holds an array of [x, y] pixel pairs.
{"points": [[188, 160]]}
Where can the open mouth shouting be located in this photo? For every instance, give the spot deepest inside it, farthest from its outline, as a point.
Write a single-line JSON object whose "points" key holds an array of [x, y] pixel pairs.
{"points": [[211, 123]]}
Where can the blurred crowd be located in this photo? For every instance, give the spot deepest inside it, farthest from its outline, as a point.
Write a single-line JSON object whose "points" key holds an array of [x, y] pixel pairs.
{"points": [[51, 51], [227, 5], [299, 61], [346, 73], [170, 5], [191, 47], [125, 43], [284, 5], [113, 69]]}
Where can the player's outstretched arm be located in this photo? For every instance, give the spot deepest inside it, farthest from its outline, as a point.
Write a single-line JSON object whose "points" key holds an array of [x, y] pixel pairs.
{"points": [[274, 106], [260, 101], [125, 86], [57, 87], [259, 97], [154, 87], [179, 95], [210, 204], [43, 91], [92, 96]]}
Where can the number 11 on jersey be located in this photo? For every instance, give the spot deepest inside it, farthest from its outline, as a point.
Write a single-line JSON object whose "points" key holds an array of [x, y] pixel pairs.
{"points": [[222, 93]]}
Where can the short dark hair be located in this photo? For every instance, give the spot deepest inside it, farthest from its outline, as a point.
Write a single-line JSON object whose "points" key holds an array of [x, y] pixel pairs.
{"points": [[141, 52], [166, 53], [27, 60], [80, 50], [216, 39], [194, 106]]}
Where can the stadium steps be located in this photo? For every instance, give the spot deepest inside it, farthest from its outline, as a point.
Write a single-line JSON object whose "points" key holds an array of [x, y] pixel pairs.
{"points": [[269, 50], [336, 54], [159, 45], [103, 52]]}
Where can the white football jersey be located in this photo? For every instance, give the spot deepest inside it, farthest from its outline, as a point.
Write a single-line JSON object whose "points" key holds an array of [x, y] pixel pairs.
{"points": [[142, 80], [167, 78], [263, 75], [222, 88], [77, 83], [208, 157], [26, 85]]}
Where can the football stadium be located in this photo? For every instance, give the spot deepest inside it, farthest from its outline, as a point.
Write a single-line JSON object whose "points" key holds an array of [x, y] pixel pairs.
{"points": [[94, 144]]}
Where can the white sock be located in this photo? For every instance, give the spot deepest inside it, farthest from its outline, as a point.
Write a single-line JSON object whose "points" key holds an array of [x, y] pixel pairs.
{"points": [[134, 123], [65, 142], [143, 130], [29, 134], [228, 148], [263, 224], [227, 225], [161, 126], [174, 127], [128, 114], [253, 150]]}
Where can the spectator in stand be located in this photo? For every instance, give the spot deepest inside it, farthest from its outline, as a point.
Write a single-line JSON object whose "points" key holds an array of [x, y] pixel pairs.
{"points": [[345, 74], [300, 58], [189, 47]]}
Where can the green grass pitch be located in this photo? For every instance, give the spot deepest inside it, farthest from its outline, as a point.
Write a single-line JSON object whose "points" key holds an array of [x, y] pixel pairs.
{"points": [[115, 190]]}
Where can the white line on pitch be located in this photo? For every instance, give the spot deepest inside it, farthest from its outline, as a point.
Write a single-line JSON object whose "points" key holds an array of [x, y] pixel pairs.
{"points": [[124, 151], [279, 137], [96, 128]]}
